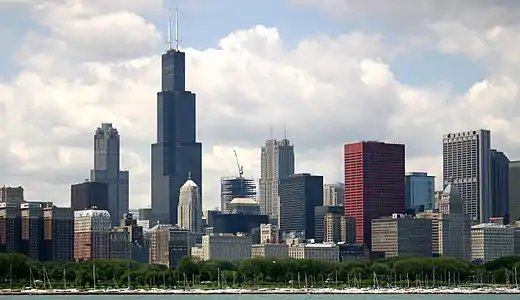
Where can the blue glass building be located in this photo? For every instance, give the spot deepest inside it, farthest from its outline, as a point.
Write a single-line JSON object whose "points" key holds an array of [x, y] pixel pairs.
{"points": [[176, 153], [420, 190]]}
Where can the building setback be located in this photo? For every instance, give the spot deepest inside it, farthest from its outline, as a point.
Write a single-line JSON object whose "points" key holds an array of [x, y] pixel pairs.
{"points": [[176, 152], [107, 170], [88, 194], [374, 183], [299, 195], [466, 158]]}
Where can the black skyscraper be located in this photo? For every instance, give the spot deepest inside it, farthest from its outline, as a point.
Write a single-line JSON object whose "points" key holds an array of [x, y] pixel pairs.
{"points": [[299, 195], [176, 153], [87, 194]]}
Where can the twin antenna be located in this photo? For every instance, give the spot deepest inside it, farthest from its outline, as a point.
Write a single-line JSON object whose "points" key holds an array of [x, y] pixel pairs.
{"points": [[176, 40]]}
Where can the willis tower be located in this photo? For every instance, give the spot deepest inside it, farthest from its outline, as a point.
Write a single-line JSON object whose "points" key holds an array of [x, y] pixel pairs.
{"points": [[176, 155]]}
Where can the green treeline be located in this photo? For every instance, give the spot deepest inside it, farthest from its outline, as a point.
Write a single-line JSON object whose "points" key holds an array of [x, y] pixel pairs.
{"points": [[17, 271]]}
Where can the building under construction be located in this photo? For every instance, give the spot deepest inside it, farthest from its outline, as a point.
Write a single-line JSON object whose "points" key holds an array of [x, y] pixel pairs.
{"points": [[236, 187]]}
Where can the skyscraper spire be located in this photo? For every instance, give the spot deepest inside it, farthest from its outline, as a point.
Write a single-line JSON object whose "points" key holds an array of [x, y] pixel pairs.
{"points": [[176, 29], [169, 40], [285, 132]]}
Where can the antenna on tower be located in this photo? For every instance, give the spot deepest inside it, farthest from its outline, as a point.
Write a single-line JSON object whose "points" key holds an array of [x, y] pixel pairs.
{"points": [[285, 132], [169, 41], [176, 29], [271, 130]]}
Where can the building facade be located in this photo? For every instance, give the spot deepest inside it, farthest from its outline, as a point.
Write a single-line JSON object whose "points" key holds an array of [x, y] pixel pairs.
{"points": [[236, 187], [333, 194], [466, 159], [499, 184], [33, 231], [88, 194], [514, 190], [92, 234], [324, 252], [58, 224], [12, 195], [176, 153], [402, 235], [491, 241], [420, 191], [270, 250], [298, 196], [374, 183], [277, 163], [190, 207], [107, 170], [226, 247]]}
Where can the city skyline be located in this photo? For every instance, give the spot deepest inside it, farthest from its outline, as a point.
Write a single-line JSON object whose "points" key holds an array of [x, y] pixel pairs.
{"points": [[338, 97]]}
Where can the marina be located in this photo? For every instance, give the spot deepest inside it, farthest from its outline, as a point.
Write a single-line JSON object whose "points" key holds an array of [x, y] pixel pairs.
{"points": [[274, 291]]}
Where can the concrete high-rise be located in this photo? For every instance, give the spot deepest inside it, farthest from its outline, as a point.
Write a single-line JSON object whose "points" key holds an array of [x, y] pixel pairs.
{"points": [[499, 184], [374, 183], [277, 163], [190, 207], [92, 234], [466, 158], [107, 170], [176, 152], [333, 194], [420, 191]]}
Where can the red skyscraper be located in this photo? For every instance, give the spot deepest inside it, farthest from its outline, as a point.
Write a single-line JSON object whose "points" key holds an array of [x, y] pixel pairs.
{"points": [[374, 183]]}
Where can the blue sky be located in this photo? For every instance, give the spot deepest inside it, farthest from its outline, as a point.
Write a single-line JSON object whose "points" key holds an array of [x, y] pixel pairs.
{"points": [[203, 25]]}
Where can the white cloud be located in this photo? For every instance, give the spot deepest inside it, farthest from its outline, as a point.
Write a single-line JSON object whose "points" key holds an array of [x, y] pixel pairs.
{"points": [[99, 62]]}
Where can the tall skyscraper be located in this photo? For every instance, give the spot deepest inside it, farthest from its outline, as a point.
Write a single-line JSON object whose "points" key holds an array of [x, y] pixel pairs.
{"points": [[420, 191], [514, 191], [299, 195], [277, 162], [374, 183], [466, 158], [499, 184], [107, 170], [190, 207], [333, 194], [87, 194], [176, 152]]}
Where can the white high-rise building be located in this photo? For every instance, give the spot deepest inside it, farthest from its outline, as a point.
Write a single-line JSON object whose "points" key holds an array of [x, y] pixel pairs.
{"points": [[467, 160], [491, 241], [277, 162], [333, 194], [190, 207]]}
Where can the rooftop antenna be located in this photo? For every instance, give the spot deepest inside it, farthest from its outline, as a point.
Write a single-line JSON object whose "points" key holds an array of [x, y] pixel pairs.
{"points": [[285, 132], [176, 29], [169, 41], [271, 129]]}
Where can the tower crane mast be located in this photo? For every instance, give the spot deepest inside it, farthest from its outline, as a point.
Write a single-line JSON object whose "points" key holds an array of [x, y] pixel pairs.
{"points": [[239, 167]]}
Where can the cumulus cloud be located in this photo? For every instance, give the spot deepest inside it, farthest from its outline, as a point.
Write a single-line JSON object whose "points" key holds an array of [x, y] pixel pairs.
{"points": [[98, 61]]}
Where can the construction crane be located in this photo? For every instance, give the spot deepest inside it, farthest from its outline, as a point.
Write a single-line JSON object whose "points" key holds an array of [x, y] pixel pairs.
{"points": [[240, 168]]}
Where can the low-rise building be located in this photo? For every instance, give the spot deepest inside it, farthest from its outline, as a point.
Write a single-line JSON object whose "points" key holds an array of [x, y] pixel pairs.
{"points": [[270, 250], [326, 251], [226, 247], [402, 235], [491, 241]]}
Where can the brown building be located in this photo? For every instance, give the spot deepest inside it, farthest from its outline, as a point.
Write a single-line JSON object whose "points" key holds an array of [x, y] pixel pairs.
{"points": [[91, 234], [10, 228], [58, 224], [88, 194], [32, 230], [402, 235]]}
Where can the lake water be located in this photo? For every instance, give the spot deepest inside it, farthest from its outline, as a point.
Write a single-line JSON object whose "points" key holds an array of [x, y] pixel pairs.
{"points": [[266, 297]]}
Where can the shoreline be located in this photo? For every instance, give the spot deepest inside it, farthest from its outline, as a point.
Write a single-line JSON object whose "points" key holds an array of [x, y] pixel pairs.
{"points": [[439, 291]]}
